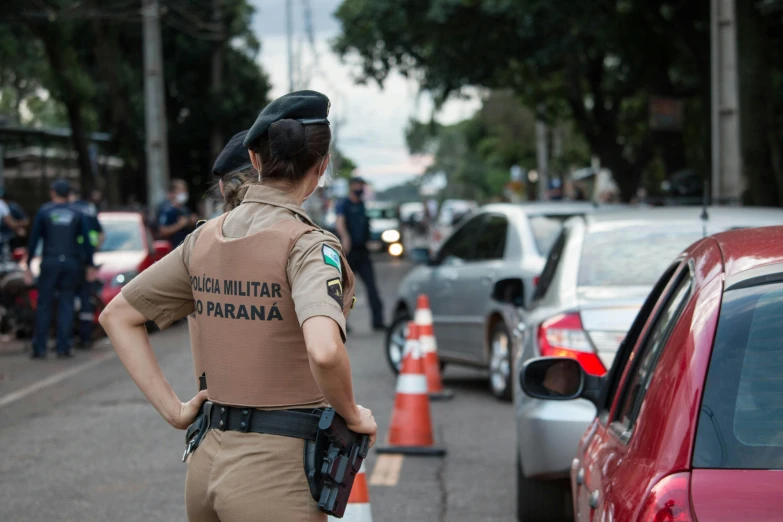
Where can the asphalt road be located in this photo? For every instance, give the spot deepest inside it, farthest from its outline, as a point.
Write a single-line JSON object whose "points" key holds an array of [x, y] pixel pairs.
{"points": [[80, 443]]}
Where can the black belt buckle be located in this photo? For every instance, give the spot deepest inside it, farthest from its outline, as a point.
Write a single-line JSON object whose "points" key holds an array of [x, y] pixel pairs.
{"points": [[196, 431]]}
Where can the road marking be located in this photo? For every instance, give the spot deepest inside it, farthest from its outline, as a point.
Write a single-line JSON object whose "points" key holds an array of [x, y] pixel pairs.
{"points": [[387, 470], [54, 379]]}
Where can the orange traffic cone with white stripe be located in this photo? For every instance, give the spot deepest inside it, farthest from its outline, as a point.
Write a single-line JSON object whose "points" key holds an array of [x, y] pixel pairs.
{"points": [[358, 508], [411, 424], [429, 350]]}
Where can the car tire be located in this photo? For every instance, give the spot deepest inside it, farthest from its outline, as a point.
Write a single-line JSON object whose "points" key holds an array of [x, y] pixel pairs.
{"points": [[542, 500], [500, 356], [395, 340]]}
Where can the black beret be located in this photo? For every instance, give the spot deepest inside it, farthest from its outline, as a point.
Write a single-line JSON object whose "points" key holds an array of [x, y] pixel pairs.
{"points": [[307, 107], [233, 157]]}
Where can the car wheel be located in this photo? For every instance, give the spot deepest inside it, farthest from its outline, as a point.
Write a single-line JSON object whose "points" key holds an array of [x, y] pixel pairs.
{"points": [[542, 500], [395, 340], [500, 362]]}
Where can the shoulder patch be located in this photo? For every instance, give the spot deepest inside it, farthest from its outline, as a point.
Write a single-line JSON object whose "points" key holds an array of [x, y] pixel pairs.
{"points": [[332, 258], [334, 288]]}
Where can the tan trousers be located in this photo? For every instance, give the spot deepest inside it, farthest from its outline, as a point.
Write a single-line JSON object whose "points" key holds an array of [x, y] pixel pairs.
{"points": [[248, 477]]}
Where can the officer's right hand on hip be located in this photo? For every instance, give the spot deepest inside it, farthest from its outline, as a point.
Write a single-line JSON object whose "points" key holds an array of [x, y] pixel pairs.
{"points": [[188, 411], [365, 425]]}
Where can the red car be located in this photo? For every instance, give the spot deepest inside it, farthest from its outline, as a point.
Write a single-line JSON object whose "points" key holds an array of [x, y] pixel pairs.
{"points": [[127, 250], [690, 416]]}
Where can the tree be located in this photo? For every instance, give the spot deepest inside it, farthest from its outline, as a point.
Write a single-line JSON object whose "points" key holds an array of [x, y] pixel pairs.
{"points": [[598, 62], [476, 154], [91, 56]]}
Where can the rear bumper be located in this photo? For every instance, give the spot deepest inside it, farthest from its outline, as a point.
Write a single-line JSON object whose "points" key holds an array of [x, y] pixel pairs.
{"points": [[548, 434]]}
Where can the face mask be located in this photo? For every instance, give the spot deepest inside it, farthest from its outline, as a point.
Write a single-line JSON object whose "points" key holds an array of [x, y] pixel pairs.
{"points": [[358, 192], [182, 198]]}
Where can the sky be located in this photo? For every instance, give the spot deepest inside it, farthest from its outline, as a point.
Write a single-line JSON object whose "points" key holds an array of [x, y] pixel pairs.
{"points": [[370, 121]]}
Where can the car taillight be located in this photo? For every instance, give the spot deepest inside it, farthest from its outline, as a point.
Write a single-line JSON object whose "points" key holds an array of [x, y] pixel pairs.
{"points": [[669, 500], [564, 336], [536, 279]]}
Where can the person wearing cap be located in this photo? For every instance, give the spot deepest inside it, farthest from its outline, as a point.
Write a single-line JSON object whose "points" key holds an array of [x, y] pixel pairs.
{"points": [[353, 227], [85, 289], [58, 225], [270, 292]]}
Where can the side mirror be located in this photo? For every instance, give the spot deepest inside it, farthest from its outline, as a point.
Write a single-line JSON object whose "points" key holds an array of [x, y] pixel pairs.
{"points": [[162, 249], [509, 291], [420, 256], [558, 379]]}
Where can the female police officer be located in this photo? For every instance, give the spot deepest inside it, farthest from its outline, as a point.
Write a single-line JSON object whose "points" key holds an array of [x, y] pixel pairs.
{"points": [[270, 292]]}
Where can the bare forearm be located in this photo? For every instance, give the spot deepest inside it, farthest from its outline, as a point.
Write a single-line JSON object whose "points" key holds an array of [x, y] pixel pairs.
{"points": [[166, 231], [330, 365], [335, 383]]}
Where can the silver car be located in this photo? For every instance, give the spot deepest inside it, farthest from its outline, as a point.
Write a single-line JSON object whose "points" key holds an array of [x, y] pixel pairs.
{"points": [[493, 258], [596, 278]]}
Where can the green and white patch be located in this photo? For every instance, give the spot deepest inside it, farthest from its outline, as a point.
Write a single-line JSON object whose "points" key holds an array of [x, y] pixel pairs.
{"points": [[331, 257]]}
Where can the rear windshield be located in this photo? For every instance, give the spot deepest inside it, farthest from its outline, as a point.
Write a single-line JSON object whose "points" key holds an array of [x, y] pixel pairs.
{"points": [[546, 230], [122, 236], [741, 419], [631, 256]]}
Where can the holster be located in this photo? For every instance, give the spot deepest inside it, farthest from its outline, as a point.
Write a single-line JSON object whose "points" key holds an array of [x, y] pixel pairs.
{"points": [[332, 461]]}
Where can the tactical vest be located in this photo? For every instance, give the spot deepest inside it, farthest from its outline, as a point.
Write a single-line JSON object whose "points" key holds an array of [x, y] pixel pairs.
{"points": [[252, 347]]}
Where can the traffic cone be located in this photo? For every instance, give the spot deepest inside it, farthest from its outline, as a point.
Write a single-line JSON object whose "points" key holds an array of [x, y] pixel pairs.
{"points": [[358, 508], [411, 424], [429, 350]]}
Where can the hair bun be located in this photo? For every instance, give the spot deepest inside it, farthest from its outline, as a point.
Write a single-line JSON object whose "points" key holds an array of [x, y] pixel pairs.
{"points": [[287, 139]]}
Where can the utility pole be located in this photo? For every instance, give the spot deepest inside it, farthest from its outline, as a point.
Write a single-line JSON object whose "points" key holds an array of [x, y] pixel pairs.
{"points": [[289, 36], [542, 158], [216, 137], [727, 184], [154, 106]]}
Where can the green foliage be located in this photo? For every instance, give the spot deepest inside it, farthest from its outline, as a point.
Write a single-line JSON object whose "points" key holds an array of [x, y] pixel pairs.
{"points": [[95, 63], [476, 155], [596, 62]]}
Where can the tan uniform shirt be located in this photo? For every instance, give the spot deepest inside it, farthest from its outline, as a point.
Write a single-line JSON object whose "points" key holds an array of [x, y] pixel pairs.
{"points": [[163, 293]]}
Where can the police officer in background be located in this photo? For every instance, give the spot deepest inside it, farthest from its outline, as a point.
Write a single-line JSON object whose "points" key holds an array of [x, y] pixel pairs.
{"points": [[85, 290], [353, 227], [271, 292], [174, 218], [58, 224]]}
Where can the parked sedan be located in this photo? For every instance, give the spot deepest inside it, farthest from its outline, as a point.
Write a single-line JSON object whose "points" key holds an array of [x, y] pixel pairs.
{"points": [[689, 416], [493, 258], [596, 278]]}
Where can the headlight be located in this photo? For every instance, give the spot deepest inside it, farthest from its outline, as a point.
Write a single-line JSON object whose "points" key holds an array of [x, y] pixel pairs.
{"points": [[123, 279], [395, 249], [391, 236]]}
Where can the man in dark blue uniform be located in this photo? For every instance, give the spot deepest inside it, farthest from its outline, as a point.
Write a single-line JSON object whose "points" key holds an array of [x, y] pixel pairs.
{"points": [[86, 288], [175, 221], [353, 227], [59, 225]]}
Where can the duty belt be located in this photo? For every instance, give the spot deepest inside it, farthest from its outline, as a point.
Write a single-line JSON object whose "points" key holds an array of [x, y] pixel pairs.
{"points": [[299, 424]]}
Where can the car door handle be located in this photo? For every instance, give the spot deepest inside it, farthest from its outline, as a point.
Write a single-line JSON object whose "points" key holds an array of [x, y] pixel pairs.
{"points": [[594, 499], [580, 477]]}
